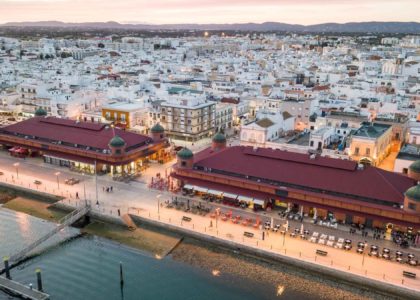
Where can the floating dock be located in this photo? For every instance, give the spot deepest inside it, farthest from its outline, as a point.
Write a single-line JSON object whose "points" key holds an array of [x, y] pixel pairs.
{"points": [[22, 290]]}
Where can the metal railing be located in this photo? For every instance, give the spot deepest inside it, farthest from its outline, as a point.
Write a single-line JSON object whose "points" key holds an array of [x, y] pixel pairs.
{"points": [[64, 222]]}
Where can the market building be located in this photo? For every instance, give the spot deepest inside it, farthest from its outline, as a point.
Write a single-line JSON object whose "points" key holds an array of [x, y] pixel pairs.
{"points": [[81, 146], [306, 184]]}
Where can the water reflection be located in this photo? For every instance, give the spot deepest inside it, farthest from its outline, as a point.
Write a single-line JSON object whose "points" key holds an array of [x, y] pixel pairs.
{"points": [[24, 225]]}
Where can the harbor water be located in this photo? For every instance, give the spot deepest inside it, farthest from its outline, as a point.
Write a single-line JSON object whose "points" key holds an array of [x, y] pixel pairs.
{"points": [[87, 267]]}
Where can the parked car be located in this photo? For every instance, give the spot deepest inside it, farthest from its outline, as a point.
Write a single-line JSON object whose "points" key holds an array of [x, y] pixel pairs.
{"points": [[374, 251], [71, 181], [37, 182]]}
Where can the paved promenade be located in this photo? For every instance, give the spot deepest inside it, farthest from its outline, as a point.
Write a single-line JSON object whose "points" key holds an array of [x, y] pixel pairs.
{"points": [[137, 199]]}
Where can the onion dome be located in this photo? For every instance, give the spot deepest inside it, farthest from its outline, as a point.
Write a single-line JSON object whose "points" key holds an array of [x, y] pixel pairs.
{"points": [[157, 128], [413, 193], [185, 153], [117, 142], [40, 112], [415, 166], [219, 138]]}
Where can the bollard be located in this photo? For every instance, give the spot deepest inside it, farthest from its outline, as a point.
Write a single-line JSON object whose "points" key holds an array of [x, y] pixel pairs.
{"points": [[257, 243], [402, 281], [315, 257], [365, 272], [349, 268], [121, 275], [6, 267], [39, 279], [384, 276], [331, 262]]}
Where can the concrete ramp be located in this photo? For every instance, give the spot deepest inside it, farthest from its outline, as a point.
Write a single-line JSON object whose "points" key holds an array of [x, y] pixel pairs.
{"points": [[129, 222]]}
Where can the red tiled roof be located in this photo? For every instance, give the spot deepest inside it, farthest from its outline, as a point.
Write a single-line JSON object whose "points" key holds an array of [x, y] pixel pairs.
{"points": [[265, 196], [94, 135], [324, 174]]}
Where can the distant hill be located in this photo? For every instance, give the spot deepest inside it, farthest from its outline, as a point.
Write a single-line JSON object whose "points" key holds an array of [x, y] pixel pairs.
{"points": [[382, 27]]}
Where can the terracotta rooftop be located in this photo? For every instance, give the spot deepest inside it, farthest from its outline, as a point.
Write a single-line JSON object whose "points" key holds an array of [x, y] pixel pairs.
{"points": [[321, 175], [93, 135]]}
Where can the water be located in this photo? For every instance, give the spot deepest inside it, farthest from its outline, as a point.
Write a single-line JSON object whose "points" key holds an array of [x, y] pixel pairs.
{"points": [[87, 267]]}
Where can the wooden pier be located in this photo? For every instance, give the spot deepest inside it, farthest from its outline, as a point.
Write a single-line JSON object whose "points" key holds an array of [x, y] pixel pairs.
{"points": [[22, 290]]}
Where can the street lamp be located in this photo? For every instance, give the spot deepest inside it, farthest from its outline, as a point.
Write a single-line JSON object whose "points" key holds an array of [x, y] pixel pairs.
{"points": [[58, 181], [157, 197], [363, 259], [17, 169]]}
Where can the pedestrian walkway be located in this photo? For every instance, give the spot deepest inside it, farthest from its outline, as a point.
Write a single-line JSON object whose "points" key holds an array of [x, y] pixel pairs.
{"points": [[22, 290]]}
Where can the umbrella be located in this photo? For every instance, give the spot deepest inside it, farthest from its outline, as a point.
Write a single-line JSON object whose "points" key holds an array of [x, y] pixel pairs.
{"points": [[287, 225], [272, 222], [301, 229]]}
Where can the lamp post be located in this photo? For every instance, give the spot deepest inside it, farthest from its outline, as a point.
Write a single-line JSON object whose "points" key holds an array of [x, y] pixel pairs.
{"points": [[58, 181], [158, 202], [17, 169], [364, 253]]}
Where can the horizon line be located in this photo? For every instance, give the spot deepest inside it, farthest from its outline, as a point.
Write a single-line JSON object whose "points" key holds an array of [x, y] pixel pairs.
{"points": [[192, 23]]}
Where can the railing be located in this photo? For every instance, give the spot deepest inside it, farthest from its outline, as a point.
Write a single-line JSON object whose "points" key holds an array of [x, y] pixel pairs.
{"points": [[65, 221]]}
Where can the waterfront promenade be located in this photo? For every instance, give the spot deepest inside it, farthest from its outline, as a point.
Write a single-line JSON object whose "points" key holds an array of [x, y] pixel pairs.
{"points": [[136, 199]]}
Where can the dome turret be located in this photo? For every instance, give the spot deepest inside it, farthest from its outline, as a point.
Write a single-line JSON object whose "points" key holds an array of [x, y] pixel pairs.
{"points": [[413, 193], [117, 142], [218, 141], [157, 128], [415, 166], [40, 112], [219, 138], [414, 170], [185, 153]]}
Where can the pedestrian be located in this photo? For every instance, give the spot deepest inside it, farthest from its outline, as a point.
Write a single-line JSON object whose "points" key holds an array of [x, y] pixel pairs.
{"points": [[30, 286], [211, 223], [111, 188], [107, 189], [77, 195], [119, 213]]}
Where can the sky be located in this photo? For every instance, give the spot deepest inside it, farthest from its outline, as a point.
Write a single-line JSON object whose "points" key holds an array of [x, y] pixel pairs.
{"points": [[210, 11]]}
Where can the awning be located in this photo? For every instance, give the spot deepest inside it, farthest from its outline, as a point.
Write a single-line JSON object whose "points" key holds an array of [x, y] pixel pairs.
{"points": [[229, 195], [244, 198], [215, 192], [188, 187], [199, 189], [259, 202]]}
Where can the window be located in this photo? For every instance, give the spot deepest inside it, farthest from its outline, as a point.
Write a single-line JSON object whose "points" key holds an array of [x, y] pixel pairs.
{"points": [[412, 206], [183, 163], [356, 151], [405, 170], [312, 143], [367, 151]]}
